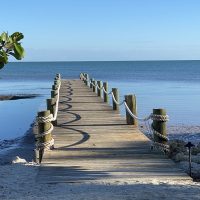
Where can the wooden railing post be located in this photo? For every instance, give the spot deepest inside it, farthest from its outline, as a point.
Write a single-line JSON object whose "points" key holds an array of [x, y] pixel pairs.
{"points": [[159, 125], [84, 79], [56, 82], [87, 80], [54, 94], [54, 87], [95, 87], [81, 74], [106, 97], [42, 127], [91, 81], [51, 106], [58, 76], [131, 103], [100, 84], [116, 95]]}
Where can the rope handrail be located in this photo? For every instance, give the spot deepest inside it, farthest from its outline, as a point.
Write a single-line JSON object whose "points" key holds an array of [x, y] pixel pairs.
{"points": [[57, 101], [108, 93], [163, 118], [118, 103], [134, 116], [49, 118], [151, 116]]}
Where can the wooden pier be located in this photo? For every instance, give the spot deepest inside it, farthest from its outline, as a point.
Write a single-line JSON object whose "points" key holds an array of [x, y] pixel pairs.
{"points": [[94, 143]]}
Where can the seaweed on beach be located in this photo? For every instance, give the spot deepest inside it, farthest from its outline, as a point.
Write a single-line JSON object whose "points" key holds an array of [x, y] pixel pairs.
{"points": [[17, 97]]}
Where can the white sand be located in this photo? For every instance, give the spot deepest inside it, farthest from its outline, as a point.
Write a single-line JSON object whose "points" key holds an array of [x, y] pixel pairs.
{"points": [[18, 182]]}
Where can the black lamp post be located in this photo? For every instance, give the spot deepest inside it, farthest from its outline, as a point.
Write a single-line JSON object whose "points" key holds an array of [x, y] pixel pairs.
{"points": [[189, 145]]}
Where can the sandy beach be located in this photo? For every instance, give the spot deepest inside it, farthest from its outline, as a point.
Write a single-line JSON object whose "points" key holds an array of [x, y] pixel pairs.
{"points": [[18, 181]]}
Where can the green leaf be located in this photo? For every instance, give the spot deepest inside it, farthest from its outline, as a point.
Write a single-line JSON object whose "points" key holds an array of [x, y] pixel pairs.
{"points": [[19, 51], [4, 36], [17, 36], [10, 40], [3, 57], [9, 46], [1, 65]]}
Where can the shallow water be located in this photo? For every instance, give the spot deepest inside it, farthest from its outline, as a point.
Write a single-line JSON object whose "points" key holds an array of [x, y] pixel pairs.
{"points": [[180, 99], [17, 115]]}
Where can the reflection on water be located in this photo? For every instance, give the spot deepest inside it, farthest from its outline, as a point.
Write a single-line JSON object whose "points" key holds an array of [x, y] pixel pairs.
{"points": [[16, 116]]}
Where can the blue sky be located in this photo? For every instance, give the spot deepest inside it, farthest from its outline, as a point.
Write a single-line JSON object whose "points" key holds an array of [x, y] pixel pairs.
{"points": [[75, 30]]}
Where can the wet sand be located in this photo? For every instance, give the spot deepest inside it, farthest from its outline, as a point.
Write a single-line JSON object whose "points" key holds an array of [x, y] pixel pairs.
{"points": [[23, 147]]}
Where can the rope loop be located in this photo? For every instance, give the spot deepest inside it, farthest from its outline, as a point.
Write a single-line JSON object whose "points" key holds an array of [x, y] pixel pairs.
{"points": [[46, 145], [49, 118], [161, 118], [160, 146], [45, 132], [163, 137]]}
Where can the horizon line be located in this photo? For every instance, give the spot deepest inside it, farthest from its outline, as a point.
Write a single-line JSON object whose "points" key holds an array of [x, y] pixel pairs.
{"points": [[108, 60]]}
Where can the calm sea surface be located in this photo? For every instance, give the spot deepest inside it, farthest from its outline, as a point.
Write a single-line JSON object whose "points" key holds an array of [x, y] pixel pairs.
{"points": [[174, 85]]}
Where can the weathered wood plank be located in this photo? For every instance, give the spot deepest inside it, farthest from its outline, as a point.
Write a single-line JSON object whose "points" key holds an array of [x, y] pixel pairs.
{"points": [[94, 143]]}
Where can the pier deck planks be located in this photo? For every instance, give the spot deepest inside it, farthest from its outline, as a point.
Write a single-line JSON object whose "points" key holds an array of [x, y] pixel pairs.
{"points": [[94, 143]]}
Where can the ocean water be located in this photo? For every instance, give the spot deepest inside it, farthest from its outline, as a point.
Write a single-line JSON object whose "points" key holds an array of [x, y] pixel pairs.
{"points": [[173, 85]]}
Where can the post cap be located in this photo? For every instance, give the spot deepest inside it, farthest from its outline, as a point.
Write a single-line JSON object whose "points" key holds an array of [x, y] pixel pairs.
{"points": [[189, 145]]}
